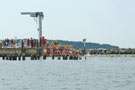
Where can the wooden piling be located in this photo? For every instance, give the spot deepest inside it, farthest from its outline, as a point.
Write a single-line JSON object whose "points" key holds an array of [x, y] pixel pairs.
{"points": [[44, 57], [10, 57], [3, 57], [59, 58], [14, 57], [38, 57], [80, 58], [74, 57], [23, 56], [85, 57], [7, 57], [70, 57], [35, 57], [32, 56], [65, 57], [52, 57], [19, 57]]}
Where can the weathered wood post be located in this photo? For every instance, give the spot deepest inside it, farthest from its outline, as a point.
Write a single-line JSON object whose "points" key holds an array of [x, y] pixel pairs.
{"points": [[59, 58], [85, 57], [19, 57], [10, 57], [38, 56], [44, 57], [23, 56], [74, 57], [14, 57], [80, 57], [70, 57], [32, 56], [65, 57], [22, 46], [53, 57], [7, 57], [35, 56], [3, 57]]}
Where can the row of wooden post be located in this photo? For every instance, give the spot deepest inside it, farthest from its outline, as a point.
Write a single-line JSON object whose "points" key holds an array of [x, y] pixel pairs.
{"points": [[37, 57], [14, 57]]}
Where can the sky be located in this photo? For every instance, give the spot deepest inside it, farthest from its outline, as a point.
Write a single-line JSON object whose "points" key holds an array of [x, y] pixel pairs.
{"points": [[99, 21]]}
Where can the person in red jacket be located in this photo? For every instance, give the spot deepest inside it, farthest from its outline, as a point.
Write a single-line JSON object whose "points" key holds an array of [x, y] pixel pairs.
{"points": [[43, 41], [28, 42]]}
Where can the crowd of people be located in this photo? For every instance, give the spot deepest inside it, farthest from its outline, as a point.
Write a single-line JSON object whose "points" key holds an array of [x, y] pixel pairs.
{"points": [[51, 47], [30, 43], [8, 43], [33, 42]]}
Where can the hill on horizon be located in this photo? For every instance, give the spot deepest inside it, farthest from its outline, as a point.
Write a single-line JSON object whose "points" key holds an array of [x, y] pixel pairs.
{"points": [[89, 45]]}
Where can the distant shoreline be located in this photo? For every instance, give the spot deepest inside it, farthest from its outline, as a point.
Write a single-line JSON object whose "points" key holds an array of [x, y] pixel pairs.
{"points": [[111, 55]]}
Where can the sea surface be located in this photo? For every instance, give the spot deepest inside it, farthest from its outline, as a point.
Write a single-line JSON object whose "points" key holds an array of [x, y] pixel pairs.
{"points": [[95, 73]]}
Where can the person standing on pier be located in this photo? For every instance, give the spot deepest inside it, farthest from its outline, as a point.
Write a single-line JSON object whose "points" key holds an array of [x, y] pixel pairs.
{"points": [[11, 42], [31, 41], [7, 44], [14, 43], [28, 42], [43, 41], [34, 43]]}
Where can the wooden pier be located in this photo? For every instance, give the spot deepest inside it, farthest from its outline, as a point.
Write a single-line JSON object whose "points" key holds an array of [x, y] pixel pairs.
{"points": [[34, 54]]}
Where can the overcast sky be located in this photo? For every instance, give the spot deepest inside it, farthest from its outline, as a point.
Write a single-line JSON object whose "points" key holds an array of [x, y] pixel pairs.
{"points": [[100, 21]]}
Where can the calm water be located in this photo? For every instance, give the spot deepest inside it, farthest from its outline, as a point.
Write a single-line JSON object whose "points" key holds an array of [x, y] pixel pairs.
{"points": [[96, 73]]}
